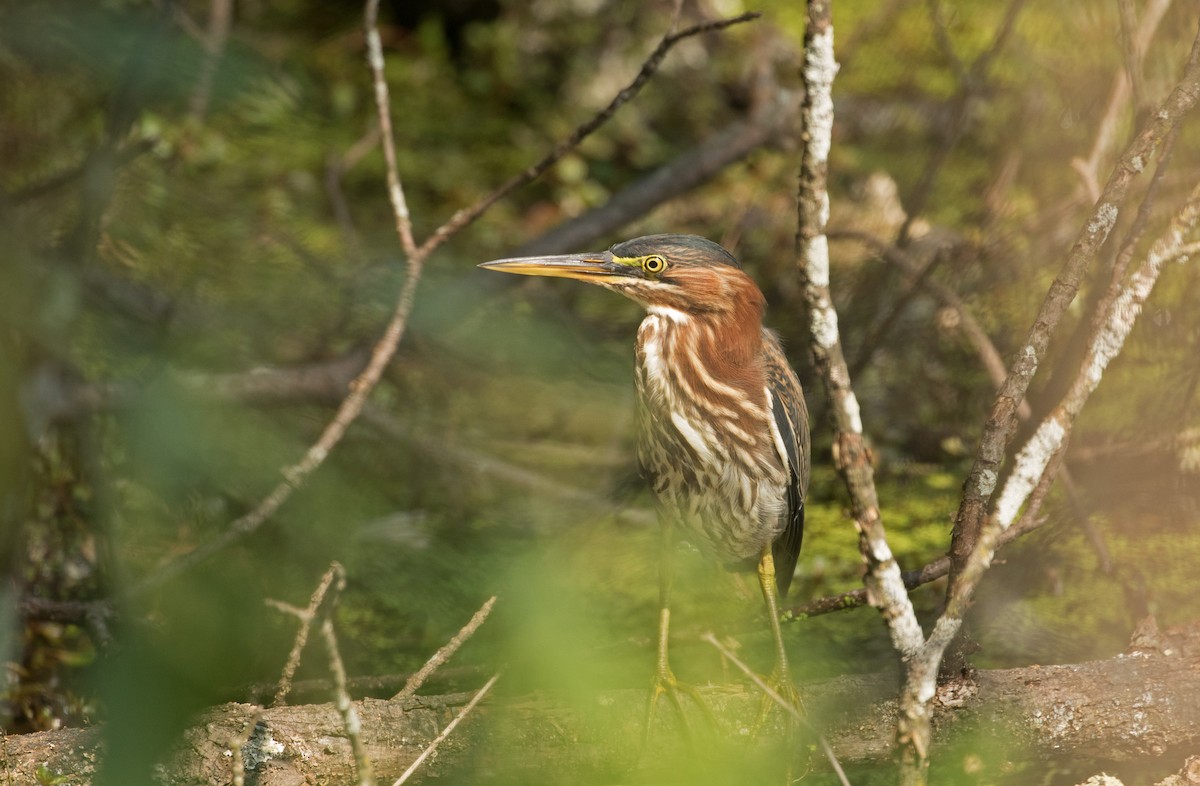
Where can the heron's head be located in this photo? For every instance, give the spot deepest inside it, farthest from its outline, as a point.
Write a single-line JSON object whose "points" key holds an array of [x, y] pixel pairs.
{"points": [[685, 273]]}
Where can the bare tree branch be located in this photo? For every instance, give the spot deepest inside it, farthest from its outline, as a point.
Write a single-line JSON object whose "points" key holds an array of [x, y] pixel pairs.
{"points": [[1118, 97], [1135, 232], [360, 389], [1031, 462], [1120, 267], [923, 656], [464, 217], [784, 704], [929, 573], [1001, 422], [676, 177], [447, 651], [433, 746], [351, 721], [884, 584], [383, 104], [237, 760], [858, 597], [306, 617]]}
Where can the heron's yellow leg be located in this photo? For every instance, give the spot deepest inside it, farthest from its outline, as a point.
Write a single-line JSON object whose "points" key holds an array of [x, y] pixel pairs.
{"points": [[782, 674], [664, 682]]}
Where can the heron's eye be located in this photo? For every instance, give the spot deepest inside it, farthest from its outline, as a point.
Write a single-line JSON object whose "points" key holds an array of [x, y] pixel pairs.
{"points": [[654, 264]]}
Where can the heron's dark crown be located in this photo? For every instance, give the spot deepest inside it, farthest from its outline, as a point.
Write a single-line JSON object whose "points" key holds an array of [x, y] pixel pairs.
{"points": [[677, 248]]}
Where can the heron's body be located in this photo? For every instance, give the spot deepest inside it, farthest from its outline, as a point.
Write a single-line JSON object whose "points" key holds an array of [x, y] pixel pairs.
{"points": [[723, 429], [718, 463], [727, 483]]}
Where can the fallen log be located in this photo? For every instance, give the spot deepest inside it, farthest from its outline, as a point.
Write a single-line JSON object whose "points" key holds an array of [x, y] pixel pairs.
{"points": [[1136, 705]]}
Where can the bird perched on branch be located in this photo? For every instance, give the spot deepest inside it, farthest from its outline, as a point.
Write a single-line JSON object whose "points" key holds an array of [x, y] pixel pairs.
{"points": [[723, 427]]}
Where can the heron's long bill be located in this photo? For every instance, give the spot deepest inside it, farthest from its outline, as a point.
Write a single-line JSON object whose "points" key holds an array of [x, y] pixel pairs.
{"points": [[584, 267]]}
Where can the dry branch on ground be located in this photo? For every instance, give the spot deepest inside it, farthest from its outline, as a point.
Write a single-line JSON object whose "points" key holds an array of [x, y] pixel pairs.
{"points": [[1149, 706]]}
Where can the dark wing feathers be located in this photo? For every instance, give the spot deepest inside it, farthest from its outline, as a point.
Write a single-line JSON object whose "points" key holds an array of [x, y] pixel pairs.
{"points": [[791, 418]]}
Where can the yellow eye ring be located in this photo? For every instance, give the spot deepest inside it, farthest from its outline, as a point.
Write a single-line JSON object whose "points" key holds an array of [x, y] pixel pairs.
{"points": [[654, 264]]}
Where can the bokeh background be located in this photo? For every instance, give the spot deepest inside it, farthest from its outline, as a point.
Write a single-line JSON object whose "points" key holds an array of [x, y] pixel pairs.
{"points": [[198, 252]]}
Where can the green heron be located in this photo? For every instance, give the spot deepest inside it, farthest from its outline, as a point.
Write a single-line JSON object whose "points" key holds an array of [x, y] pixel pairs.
{"points": [[722, 423]]}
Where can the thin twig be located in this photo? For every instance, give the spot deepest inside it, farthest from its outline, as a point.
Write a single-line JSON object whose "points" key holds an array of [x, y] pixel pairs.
{"points": [[1133, 58], [1118, 97], [238, 763], [446, 731], [786, 705], [372, 685], [879, 333], [858, 597], [762, 685], [464, 217], [446, 652], [314, 457], [927, 574], [306, 617], [689, 169], [345, 707], [383, 103], [361, 387]]}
